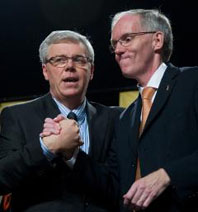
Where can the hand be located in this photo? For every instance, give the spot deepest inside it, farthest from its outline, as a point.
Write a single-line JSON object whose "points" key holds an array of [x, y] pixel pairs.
{"points": [[52, 126], [146, 189], [66, 141]]}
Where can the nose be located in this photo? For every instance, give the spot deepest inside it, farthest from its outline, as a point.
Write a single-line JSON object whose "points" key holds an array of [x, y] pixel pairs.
{"points": [[119, 49], [70, 62], [70, 65]]}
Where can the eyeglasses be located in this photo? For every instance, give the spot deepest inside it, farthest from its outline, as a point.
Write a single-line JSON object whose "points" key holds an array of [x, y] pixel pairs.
{"points": [[62, 61], [126, 39]]}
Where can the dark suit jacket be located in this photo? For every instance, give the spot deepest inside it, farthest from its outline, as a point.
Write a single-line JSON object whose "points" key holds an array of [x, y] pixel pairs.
{"points": [[38, 185], [169, 141]]}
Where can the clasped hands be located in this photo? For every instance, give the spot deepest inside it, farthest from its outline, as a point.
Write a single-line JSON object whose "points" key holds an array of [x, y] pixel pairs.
{"points": [[61, 135]]}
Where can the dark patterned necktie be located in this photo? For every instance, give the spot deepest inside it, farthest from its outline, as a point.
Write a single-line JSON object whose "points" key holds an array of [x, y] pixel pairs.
{"points": [[72, 115]]}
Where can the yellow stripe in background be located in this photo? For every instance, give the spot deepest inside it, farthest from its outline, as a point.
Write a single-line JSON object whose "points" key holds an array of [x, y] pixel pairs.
{"points": [[127, 97], [5, 104]]}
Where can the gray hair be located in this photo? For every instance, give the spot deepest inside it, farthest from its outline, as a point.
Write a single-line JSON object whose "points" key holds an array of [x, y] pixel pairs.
{"points": [[64, 35], [152, 20]]}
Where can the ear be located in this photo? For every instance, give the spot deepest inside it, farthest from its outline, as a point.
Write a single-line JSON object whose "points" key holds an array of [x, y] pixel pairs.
{"points": [[158, 40], [92, 72], [45, 72]]}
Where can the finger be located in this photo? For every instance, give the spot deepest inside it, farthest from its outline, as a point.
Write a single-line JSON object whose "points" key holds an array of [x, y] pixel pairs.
{"points": [[126, 201], [50, 131], [136, 196], [44, 134], [41, 135], [50, 126], [74, 122], [127, 197], [131, 192], [68, 122], [80, 142], [59, 118], [148, 200], [48, 120], [142, 199]]}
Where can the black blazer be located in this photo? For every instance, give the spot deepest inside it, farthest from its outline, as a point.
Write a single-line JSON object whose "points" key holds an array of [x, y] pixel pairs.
{"points": [[38, 185], [169, 141]]}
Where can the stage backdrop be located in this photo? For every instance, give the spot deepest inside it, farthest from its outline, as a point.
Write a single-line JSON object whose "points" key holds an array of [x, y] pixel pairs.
{"points": [[125, 99]]}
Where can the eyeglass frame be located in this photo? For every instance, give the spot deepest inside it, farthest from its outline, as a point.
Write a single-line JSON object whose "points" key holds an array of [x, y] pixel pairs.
{"points": [[114, 43], [89, 60]]}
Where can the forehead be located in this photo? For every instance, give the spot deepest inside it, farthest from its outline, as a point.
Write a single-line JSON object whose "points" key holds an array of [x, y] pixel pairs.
{"points": [[126, 24], [66, 48]]}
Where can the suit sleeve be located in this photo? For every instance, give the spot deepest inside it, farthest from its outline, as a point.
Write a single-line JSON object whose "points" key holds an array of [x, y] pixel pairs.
{"points": [[18, 158], [183, 172], [99, 178]]}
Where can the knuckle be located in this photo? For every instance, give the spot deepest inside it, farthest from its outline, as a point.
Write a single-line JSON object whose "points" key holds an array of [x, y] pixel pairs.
{"points": [[48, 120], [141, 187], [45, 124]]}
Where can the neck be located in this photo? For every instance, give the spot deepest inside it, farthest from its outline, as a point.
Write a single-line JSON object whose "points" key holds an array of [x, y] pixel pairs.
{"points": [[70, 102], [145, 76]]}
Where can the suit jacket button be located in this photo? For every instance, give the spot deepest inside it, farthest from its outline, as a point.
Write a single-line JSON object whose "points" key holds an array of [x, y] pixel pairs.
{"points": [[86, 204]]}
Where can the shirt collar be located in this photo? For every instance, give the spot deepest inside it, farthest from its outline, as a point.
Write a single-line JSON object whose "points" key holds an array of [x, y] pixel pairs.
{"points": [[155, 78], [79, 111]]}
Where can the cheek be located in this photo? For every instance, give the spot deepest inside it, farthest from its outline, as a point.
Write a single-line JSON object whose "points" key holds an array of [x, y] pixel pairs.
{"points": [[117, 58], [54, 77], [87, 78]]}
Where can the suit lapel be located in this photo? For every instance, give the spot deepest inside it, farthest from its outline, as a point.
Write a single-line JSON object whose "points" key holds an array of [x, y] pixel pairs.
{"points": [[133, 132], [128, 132], [95, 125], [50, 109], [129, 124], [163, 93]]}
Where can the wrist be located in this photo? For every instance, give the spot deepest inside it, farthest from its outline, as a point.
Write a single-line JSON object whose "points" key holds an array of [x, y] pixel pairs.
{"points": [[165, 176]]}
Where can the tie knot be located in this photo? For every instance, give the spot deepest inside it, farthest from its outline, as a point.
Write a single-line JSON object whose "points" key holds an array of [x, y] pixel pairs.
{"points": [[72, 115], [148, 92]]}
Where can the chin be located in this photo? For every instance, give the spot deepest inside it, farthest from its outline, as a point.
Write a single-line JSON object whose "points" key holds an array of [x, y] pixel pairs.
{"points": [[72, 93], [128, 73]]}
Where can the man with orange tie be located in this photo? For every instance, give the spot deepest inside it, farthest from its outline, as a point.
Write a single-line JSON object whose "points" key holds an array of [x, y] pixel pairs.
{"points": [[157, 136]]}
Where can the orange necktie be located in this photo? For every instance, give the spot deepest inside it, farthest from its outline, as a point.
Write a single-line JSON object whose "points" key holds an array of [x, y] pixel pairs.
{"points": [[147, 95]]}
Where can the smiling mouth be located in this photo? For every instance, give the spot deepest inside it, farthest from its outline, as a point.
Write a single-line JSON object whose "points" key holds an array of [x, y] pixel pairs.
{"points": [[123, 60]]}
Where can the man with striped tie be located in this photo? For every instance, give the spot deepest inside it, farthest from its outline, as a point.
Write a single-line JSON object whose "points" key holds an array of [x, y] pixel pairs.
{"points": [[71, 166]]}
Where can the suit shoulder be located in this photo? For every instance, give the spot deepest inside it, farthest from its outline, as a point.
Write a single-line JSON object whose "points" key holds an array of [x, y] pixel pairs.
{"points": [[188, 68], [126, 112], [189, 71], [24, 106], [189, 74], [107, 109]]}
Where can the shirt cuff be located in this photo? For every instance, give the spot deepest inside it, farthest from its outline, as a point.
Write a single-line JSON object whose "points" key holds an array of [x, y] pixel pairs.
{"points": [[49, 155], [71, 162]]}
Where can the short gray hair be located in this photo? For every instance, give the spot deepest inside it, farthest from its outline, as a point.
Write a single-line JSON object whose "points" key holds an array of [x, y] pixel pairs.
{"points": [[64, 35], [152, 20]]}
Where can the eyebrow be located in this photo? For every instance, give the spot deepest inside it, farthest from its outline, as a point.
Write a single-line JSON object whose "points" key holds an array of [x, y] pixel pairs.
{"points": [[63, 55]]}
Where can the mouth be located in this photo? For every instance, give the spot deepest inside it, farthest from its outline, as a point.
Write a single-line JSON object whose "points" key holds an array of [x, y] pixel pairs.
{"points": [[70, 79], [124, 60], [123, 57]]}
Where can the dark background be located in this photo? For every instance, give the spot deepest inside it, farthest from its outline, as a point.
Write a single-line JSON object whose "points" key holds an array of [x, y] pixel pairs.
{"points": [[25, 23]]}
